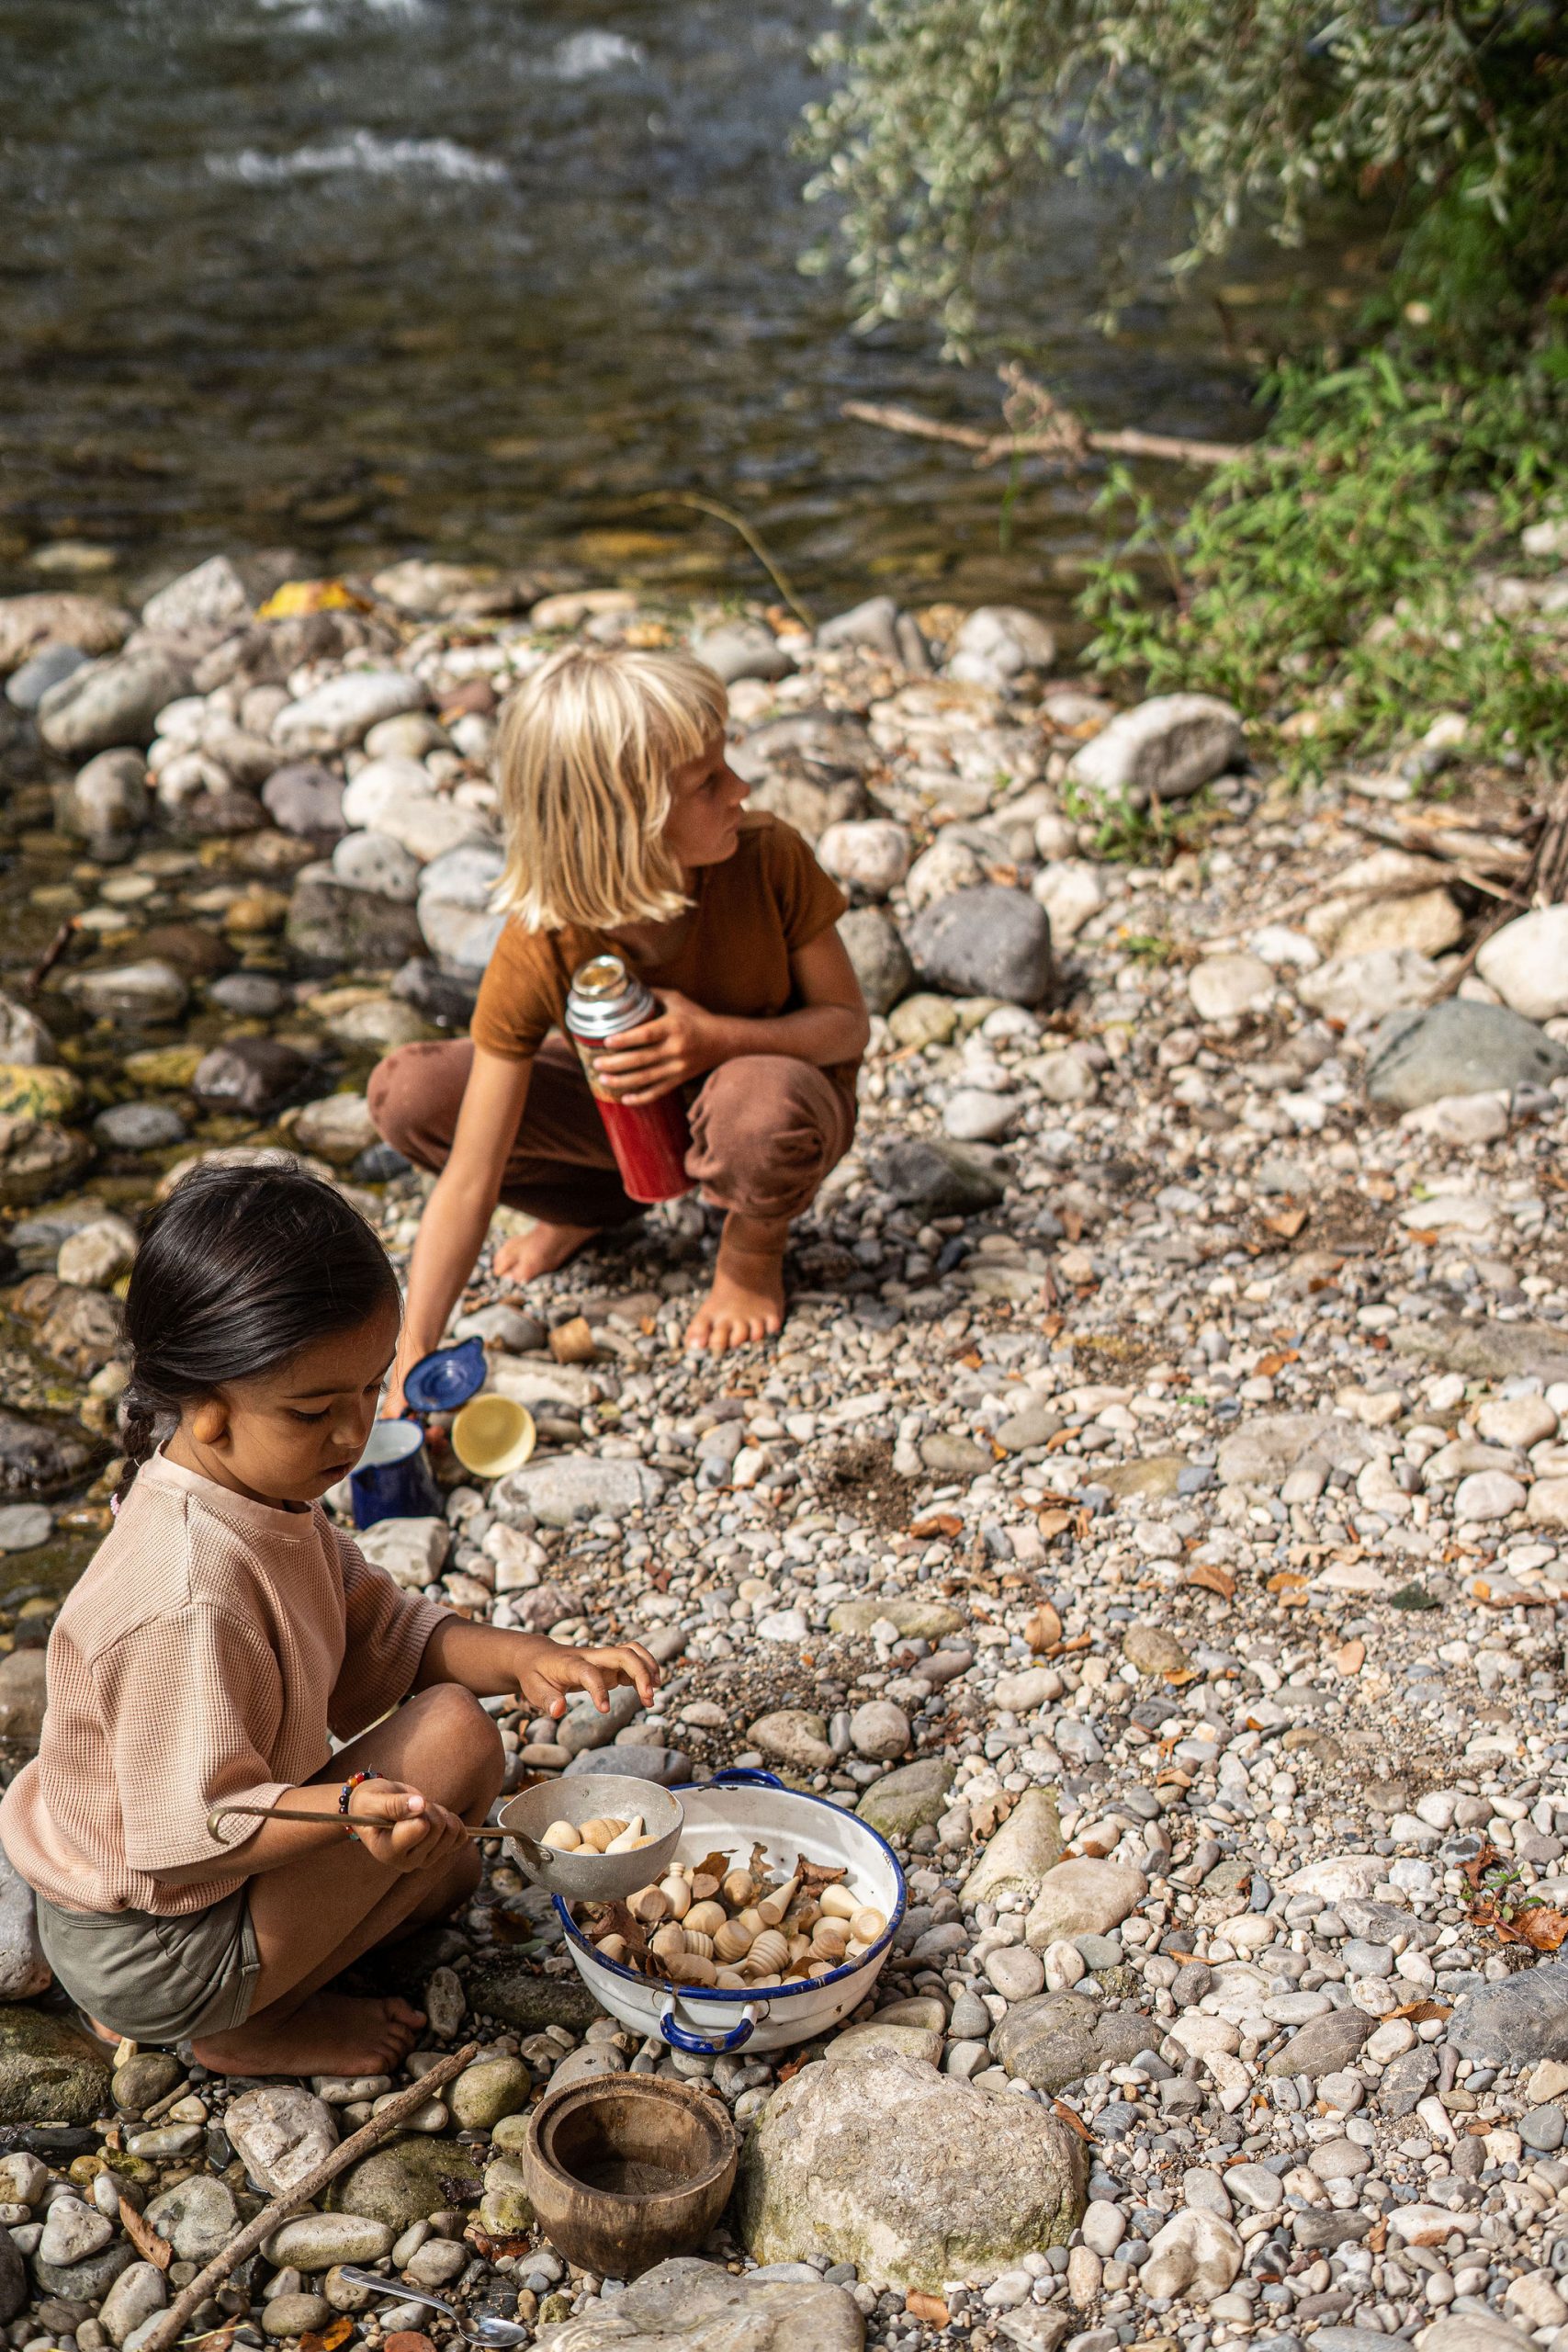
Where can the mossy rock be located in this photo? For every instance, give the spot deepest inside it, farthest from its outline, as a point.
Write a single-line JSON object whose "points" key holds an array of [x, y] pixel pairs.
{"points": [[50, 2073], [410, 2179], [528, 2002], [913, 1798]]}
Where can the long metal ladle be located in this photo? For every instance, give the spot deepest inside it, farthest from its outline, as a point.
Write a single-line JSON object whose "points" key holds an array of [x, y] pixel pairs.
{"points": [[532, 1855], [486, 2330]]}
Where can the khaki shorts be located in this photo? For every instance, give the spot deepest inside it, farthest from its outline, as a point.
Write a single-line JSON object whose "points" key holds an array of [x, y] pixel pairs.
{"points": [[156, 1980]]}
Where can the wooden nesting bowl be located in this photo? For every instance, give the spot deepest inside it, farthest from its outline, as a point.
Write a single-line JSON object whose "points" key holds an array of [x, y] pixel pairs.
{"points": [[626, 2170]]}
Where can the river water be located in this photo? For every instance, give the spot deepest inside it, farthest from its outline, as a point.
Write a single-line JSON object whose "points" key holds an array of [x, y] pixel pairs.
{"points": [[484, 277]]}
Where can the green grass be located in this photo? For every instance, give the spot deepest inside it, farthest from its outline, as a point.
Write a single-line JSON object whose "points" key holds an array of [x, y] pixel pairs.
{"points": [[1333, 568]]}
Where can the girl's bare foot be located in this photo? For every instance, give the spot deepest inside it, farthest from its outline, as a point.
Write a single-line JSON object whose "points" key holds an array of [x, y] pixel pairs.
{"points": [[541, 1249], [330, 2033], [746, 1301]]}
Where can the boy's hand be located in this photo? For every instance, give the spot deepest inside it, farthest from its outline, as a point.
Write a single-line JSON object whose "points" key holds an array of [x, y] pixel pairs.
{"points": [[683, 1042], [547, 1670], [402, 1829]]}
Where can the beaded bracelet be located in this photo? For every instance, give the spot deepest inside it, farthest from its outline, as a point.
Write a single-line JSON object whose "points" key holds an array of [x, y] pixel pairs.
{"points": [[354, 1780]]}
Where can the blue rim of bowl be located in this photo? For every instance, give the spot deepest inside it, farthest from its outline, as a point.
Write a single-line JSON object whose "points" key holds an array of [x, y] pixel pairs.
{"points": [[765, 1993]]}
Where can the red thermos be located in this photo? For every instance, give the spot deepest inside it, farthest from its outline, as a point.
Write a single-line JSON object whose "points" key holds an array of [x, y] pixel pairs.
{"points": [[651, 1140]]}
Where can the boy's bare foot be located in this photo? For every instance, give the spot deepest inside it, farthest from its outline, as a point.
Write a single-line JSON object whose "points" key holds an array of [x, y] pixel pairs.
{"points": [[746, 1301], [330, 2033], [541, 1251]]}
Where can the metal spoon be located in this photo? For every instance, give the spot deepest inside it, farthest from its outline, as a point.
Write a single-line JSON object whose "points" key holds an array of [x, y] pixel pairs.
{"points": [[215, 1820], [486, 2329]]}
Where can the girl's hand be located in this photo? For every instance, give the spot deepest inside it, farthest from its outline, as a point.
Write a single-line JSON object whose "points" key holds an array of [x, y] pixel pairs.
{"points": [[683, 1042], [547, 1670], [401, 1829]]}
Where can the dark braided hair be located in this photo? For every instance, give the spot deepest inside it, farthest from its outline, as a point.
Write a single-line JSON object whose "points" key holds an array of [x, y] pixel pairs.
{"points": [[239, 1269]]}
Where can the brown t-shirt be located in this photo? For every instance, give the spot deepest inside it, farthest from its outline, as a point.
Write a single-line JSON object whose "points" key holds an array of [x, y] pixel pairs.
{"points": [[750, 915]]}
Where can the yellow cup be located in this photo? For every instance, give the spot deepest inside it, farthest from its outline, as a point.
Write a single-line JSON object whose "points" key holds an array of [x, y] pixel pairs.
{"points": [[493, 1435]]}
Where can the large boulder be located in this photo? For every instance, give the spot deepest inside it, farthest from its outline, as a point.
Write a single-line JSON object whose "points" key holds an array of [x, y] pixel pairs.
{"points": [[58, 617], [342, 713], [685, 2305], [410, 2179], [912, 2176], [987, 941], [109, 703], [1457, 1048], [1162, 750], [1059, 2038], [50, 2073], [330, 921]]}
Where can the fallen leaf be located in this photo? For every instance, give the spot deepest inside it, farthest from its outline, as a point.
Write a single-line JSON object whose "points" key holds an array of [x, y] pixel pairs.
{"points": [[1351, 1659], [1380, 1187], [1425, 1234], [1287, 1223], [144, 2237], [1072, 1225], [931, 2308], [1269, 1365], [1071, 2117], [1052, 1523], [1212, 1579], [1042, 1627], [1376, 2238], [1287, 1586], [941, 1523], [1423, 2012]]}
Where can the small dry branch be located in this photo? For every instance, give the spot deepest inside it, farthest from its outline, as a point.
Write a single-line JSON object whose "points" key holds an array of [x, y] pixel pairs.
{"points": [[171, 2322], [1038, 425]]}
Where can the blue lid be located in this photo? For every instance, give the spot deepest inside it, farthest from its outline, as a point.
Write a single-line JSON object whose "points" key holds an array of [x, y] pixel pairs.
{"points": [[446, 1378]]}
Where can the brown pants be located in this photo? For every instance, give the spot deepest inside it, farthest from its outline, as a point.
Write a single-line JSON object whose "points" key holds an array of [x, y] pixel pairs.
{"points": [[765, 1131]]}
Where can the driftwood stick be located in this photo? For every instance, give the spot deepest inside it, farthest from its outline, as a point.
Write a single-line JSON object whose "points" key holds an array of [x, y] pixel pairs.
{"points": [[992, 448], [171, 2321]]}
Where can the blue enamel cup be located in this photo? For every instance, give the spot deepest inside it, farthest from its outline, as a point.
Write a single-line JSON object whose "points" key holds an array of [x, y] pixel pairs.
{"points": [[392, 1478]]}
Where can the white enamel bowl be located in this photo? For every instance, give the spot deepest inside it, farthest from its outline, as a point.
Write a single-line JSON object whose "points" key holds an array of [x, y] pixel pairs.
{"points": [[730, 1814]]}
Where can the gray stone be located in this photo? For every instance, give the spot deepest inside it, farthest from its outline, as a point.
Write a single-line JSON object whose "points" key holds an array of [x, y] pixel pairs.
{"points": [[84, 2282], [1457, 1048], [58, 617], [24, 1038], [27, 687], [138, 1127], [1527, 963], [41, 1457], [280, 2133], [1083, 1897], [926, 1620], [1030, 1427], [951, 1456], [924, 2042], [1058, 2037], [1516, 2021], [305, 797], [411, 2178], [49, 2072], [1154, 1651], [807, 768], [1470, 2331], [340, 713], [197, 2216], [24, 1526], [136, 2294], [23, 1967], [874, 624], [1026, 1847], [985, 941], [255, 996], [248, 1075], [107, 800], [1407, 2080], [998, 644], [375, 862], [295, 2316], [12, 2280], [879, 1730], [516, 1995], [580, 1486], [485, 2091], [1265, 1450], [110, 702], [1165, 749], [72, 2229], [914, 1797], [317, 2241], [1489, 1351], [880, 957], [685, 2305], [913, 2176], [211, 596], [794, 1736], [937, 1179], [743, 648], [330, 923], [149, 991], [1017, 1974], [1323, 2044]]}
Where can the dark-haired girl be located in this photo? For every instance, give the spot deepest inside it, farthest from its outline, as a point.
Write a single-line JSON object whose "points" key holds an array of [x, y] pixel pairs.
{"points": [[225, 1628]]}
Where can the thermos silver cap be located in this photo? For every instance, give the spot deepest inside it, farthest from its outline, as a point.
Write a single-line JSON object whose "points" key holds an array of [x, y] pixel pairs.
{"points": [[605, 999]]}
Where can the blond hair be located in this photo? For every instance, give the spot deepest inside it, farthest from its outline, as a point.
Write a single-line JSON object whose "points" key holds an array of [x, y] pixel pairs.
{"points": [[587, 747]]}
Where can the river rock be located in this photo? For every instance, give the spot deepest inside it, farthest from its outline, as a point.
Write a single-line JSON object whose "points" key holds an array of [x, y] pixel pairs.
{"points": [[1025, 1848], [12, 2280], [485, 2091], [872, 856], [27, 687], [951, 1455], [743, 648], [331, 922], [305, 797], [411, 2178], [880, 958], [88, 2281], [1165, 749], [879, 1730], [951, 864], [71, 2231], [58, 617], [107, 800], [296, 2314], [136, 2294], [1223, 987], [144, 992], [808, 768], [873, 624], [1518, 2021], [39, 1091], [342, 712], [49, 2072], [915, 1797], [939, 1179], [110, 702], [1083, 1898], [22, 1692], [1354, 988], [1527, 963], [138, 1127], [211, 596], [1154, 1651], [197, 2216], [25, 1041], [317, 2241], [793, 1736], [41, 1456], [579, 1486], [280, 2133], [337, 1127], [987, 941], [1265, 1450], [376, 862], [1058, 2037], [921, 1621], [1324, 2045], [37, 1158], [1196, 2255], [685, 2305], [248, 1075], [1457, 1048], [998, 644], [913, 2176]]}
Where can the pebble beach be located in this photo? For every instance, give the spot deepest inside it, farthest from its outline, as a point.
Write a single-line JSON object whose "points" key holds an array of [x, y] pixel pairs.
{"points": [[1153, 1520]]}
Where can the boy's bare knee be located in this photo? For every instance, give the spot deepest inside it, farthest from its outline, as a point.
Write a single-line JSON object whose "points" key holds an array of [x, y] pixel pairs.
{"points": [[387, 1097], [456, 1751]]}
